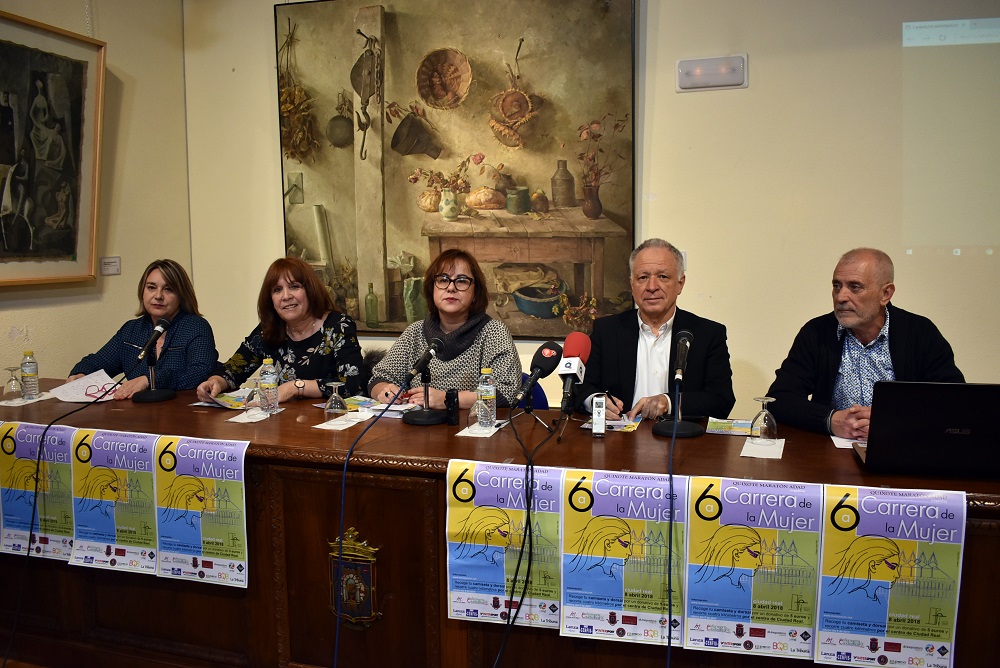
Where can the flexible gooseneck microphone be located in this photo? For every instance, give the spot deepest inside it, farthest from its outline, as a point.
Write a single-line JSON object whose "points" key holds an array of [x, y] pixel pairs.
{"points": [[576, 352], [544, 362], [677, 428], [433, 348], [684, 341], [158, 330]]}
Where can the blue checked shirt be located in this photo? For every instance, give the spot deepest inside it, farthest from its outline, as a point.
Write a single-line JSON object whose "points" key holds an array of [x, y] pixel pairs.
{"points": [[861, 366]]}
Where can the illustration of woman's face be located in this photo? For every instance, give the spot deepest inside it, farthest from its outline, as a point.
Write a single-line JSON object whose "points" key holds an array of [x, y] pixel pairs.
{"points": [[620, 547], [748, 557], [197, 500], [886, 570], [109, 491], [500, 536]]}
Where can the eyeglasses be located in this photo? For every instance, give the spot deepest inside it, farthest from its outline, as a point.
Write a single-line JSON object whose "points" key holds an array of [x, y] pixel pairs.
{"points": [[753, 553], [95, 391], [462, 282], [624, 543], [503, 533], [890, 564]]}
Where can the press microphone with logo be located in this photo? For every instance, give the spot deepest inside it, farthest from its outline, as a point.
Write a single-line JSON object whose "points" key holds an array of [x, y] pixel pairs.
{"points": [[544, 362], [433, 348], [684, 340], [158, 330], [572, 368]]}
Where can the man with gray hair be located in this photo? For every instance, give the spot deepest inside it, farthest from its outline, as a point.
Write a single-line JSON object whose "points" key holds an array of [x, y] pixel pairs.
{"points": [[632, 356], [826, 382]]}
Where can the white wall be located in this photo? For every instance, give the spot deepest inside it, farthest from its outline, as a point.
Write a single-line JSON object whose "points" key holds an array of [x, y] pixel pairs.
{"points": [[764, 187], [143, 191]]}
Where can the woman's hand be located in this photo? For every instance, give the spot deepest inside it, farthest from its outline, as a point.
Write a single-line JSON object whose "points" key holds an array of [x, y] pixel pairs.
{"points": [[212, 387], [130, 387], [75, 376], [384, 392], [415, 395]]}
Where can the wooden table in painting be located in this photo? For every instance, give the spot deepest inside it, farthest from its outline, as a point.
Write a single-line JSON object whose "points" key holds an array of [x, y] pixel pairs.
{"points": [[566, 235], [73, 616]]}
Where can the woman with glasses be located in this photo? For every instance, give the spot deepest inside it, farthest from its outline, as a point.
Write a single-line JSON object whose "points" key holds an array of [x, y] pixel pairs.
{"points": [[185, 354], [310, 342], [457, 297]]}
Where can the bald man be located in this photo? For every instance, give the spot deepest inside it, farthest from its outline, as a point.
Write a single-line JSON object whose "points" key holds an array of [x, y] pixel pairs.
{"points": [[825, 384]]}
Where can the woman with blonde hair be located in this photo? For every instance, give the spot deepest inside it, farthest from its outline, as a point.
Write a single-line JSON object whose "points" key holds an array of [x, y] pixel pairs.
{"points": [[185, 354]]}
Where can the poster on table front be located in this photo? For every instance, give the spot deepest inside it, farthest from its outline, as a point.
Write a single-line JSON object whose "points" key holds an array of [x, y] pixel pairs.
{"points": [[200, 506], [487, 520], [617, 534], [891, 570], [114, 519], [752, 561], [24, 468]]}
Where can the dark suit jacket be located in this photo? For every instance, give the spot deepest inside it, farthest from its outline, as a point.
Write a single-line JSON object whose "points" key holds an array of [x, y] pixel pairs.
{"points": [[803, 386], [708, 381]]}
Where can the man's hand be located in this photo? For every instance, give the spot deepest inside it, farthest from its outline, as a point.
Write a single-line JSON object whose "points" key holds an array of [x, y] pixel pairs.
{"points": [[852, 422], [650, 407], [613, 408]]}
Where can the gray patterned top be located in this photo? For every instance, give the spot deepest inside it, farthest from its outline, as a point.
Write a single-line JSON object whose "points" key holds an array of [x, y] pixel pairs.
{"points": [[493, 347]]}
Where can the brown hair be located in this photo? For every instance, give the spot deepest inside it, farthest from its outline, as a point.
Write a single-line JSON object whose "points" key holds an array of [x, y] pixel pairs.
{"points": [[291, 269], [176, 279], [481, 294]]}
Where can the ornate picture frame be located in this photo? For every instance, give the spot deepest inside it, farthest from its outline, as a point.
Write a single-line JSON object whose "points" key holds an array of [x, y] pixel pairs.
{"points": [[383, 107], [51, 110]]}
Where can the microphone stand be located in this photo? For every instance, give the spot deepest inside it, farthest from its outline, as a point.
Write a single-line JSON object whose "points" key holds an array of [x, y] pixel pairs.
{"points": [[152, 394], [529, 409], [681, 429], [426, 415]]}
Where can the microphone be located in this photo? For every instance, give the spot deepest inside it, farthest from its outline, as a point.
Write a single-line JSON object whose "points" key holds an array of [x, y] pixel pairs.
{"points": [[684, 340], [161, 327], [544, 362], [433, 348], [576, 352]]}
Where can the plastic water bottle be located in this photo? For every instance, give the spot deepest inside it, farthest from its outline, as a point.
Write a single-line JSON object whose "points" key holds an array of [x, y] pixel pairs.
{"points": [[29, 376], [268, 386], [487, 391]]}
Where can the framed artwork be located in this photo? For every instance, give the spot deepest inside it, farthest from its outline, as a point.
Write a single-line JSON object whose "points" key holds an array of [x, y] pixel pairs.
{"points": [[51, 105], [412, 127]]}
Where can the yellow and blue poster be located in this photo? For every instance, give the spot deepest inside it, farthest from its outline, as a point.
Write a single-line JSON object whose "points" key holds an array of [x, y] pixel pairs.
{"points": [[487, 533], [114, 501], [35, 489], [618, 579], [200, 505], [891, 570], [752, 563]]}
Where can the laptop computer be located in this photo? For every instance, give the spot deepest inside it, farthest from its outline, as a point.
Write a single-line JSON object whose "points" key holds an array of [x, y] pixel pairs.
{"points": [[944, 430]]}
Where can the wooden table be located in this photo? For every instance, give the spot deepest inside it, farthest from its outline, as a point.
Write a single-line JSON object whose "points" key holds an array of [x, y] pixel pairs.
{"points": [[566, 235], [73, 616]]}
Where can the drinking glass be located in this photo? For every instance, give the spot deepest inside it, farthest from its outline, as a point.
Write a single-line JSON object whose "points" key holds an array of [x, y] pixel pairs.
{"points": [[12, 388], [335, 405], [764, 428], [251, 404], [478, 412]]}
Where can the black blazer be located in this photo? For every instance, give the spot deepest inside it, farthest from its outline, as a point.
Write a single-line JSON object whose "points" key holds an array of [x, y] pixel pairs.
{"points": [[708, 380]]}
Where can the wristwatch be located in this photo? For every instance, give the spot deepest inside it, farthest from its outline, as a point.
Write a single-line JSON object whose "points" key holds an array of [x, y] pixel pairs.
{"points": [[300, 385]]}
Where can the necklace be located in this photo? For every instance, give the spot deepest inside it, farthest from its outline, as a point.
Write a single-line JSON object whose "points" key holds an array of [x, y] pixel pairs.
{"points": [[304, 333]]}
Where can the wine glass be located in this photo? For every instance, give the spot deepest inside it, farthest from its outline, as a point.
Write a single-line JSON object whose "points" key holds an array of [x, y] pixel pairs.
{"points": [[335, 405], [12, 388], [764, 428]]}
